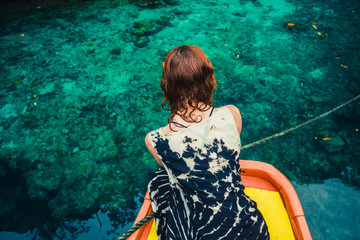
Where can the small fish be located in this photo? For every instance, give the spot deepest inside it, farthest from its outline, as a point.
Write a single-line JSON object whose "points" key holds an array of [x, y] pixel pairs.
{"points": [[22, 35], [297, 8], [319, 33], [291, 24], [337, 58], [344, 66], [314, 26], [326, 139]]}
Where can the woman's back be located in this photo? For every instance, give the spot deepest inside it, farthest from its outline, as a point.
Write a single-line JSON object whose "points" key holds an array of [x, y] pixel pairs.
{"points": [[200, 192]]}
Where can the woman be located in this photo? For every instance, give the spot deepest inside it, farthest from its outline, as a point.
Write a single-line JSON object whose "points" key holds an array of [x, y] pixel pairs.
{"points": [[198, 193]]}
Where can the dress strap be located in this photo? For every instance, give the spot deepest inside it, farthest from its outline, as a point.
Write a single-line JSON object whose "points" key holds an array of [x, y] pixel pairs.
{"points": [[176, 123], [211, 112]]}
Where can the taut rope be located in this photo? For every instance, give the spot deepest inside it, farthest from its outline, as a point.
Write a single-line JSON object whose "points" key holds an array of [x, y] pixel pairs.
{"points": [[250, 145], [136, 226]]}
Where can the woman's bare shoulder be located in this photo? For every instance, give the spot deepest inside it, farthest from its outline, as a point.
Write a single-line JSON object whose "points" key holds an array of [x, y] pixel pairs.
{"points": [[236, 115], [233, 108], [151, 148], [147, 139]]}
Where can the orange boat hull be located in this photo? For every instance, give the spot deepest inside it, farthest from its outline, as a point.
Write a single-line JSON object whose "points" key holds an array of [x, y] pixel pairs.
{"points": [[254, 175]]}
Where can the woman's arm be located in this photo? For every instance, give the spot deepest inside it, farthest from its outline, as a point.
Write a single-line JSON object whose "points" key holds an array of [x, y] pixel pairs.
{"points": [[237, 116], [151, 149]]}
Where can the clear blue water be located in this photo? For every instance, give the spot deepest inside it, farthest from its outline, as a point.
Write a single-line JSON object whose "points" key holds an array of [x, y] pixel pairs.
{"points": [[79, 91]]}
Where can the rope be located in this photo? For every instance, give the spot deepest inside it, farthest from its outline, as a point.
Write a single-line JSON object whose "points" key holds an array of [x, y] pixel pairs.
{"points": [[136, 226], [250, 145]]}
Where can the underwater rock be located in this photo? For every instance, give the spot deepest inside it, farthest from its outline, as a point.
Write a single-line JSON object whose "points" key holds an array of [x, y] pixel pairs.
{"points": [[9, 111], [316, 99], [36, 192], [147, 3], [65, 131], [297, 27], [172, 2], [105, 20], [142, 28], [76, 149], [181, 11], [49, 88], [318, 199], [111, 152], [163, 21], [115, 51], [145, 28], [257, 3], [134, 14], [8, 83], [317, 73], [333, 143], [142, 42], [91, 16], [128, 49], [62, 23], [90, 48], [9, 116]]}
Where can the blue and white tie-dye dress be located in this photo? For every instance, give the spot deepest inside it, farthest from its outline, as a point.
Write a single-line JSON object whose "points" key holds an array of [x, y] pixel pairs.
{"points": [[198, 193]]}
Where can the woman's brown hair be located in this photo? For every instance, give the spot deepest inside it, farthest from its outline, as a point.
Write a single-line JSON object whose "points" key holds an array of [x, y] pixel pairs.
{"points": [[187, 81]]}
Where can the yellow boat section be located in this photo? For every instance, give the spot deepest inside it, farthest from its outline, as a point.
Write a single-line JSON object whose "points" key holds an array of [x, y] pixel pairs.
{"points": [[271, 207]]}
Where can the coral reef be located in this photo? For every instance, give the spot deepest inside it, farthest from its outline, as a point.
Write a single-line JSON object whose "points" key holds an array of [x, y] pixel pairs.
{"points": [[79, 91]]}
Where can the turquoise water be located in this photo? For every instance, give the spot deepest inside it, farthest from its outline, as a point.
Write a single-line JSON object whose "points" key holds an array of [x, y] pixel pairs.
{"points": [[79, 91]]}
